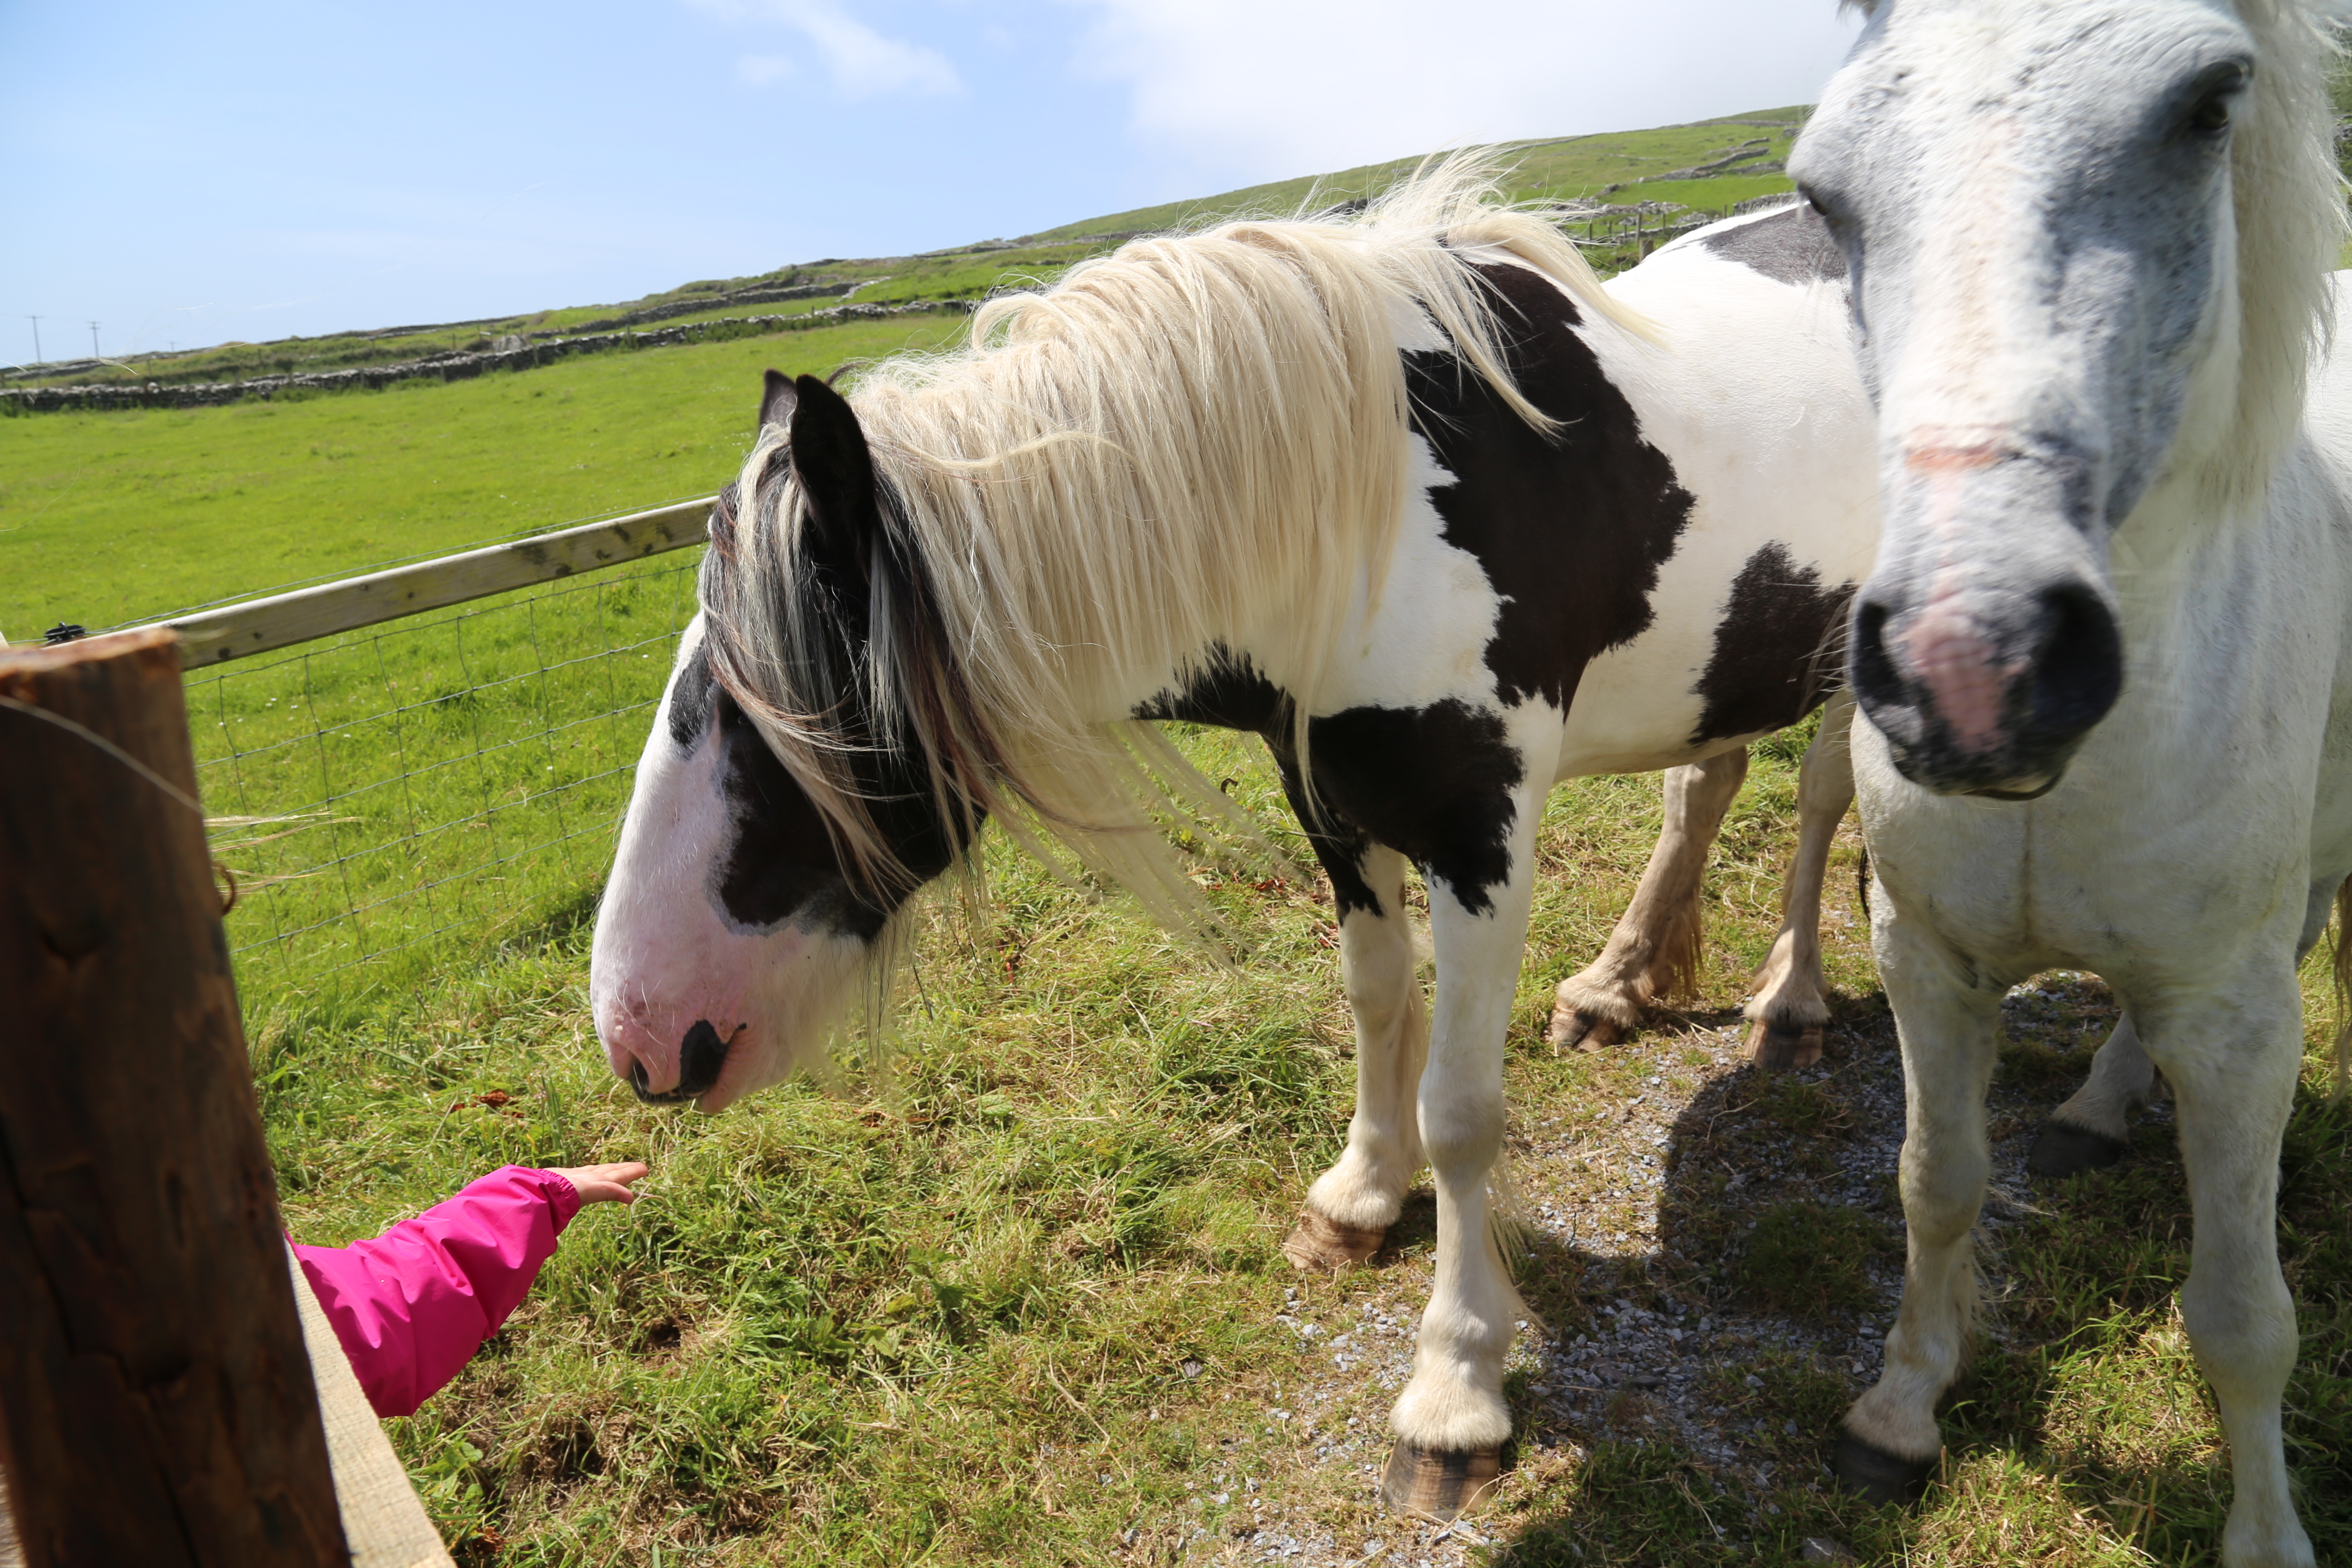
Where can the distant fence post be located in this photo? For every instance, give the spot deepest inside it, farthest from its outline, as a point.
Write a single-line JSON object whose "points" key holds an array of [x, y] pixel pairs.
{"points": [[156, 1406]]}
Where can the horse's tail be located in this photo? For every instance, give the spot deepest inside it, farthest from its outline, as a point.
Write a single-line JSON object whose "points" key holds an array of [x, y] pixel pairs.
{"points": [[2343, 964]]}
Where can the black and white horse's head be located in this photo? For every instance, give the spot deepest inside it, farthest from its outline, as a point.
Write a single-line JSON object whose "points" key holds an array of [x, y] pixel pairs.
{"points": [[2085, 237], [749, 898]]}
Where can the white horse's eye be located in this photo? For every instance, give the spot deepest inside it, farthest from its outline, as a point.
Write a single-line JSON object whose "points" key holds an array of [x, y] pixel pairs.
{"points": [[2218, 103]]}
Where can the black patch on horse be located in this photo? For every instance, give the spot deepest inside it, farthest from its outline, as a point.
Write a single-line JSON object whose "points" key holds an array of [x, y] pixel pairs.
{"points": [[1435, 783], [1225, 690], [1570, 528], [1228, 692], [689, 699], [1792, 246], [1771, 666]]}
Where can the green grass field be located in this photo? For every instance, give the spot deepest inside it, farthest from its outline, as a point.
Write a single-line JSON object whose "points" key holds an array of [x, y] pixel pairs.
{"points": [[111, 518], [1011, 1295], [1015, 1298]]}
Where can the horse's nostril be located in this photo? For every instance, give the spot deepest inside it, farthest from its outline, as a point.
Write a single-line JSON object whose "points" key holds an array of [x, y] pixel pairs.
{"points": [[700, 1056], [2078, 661]]}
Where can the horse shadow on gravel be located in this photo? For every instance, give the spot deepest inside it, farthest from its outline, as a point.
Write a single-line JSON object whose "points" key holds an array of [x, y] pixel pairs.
{"points": [[1684, 1403]]}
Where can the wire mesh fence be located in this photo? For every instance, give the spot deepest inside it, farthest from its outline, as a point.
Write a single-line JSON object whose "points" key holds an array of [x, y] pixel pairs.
{"points": [[445, 782]]}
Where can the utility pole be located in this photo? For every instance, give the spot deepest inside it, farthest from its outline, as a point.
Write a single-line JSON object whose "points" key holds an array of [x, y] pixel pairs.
{"points": [[36, 338], [93, 340]]}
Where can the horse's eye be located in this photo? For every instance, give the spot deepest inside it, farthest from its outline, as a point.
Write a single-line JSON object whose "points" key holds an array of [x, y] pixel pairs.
{"points": [[2218, 102]]}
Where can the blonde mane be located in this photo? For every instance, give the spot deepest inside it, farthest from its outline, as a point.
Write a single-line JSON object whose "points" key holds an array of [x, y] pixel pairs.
{"points": [[1197, 439]]}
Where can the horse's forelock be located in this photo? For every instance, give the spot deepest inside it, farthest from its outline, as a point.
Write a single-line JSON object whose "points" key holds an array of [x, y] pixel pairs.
{"points": [[826, 695]]}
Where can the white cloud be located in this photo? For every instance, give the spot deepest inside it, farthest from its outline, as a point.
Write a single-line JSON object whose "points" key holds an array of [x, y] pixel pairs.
{"points": [[860, 61], [760, 70], [864, 63], [1264, 89]]}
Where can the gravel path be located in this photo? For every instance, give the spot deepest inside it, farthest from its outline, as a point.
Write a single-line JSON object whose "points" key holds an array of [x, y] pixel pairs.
{"points": [[1640, 1210]]}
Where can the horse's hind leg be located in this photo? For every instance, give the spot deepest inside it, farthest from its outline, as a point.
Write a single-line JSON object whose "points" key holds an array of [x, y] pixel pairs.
{"points": [[2094, 1127], [1654, 951], [1350, 1207], [1792, 1006]]}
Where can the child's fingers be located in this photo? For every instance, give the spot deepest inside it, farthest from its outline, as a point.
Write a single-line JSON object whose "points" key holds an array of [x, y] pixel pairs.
{"points": [[606, 1184]]}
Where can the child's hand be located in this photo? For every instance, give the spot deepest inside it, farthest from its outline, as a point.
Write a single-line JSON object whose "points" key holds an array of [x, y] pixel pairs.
{"points": [[604, 1184]]}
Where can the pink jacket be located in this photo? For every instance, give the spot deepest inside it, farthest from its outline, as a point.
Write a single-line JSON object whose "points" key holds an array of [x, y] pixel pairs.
{"points": [[415, 1304]]}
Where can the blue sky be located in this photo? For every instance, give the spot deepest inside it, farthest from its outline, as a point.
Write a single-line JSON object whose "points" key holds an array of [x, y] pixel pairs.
{"points": [[254, 168]]}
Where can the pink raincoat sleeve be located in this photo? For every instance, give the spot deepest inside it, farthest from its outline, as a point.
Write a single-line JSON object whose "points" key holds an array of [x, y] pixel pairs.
{"points": [[411, 1306]]}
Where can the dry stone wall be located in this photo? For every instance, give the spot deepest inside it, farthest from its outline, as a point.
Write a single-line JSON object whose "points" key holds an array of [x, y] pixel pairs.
{"points": [[512, 354]]}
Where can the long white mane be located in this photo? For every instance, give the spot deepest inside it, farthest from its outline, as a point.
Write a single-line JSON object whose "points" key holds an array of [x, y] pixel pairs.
{"points": [[2291, 223], [1199, 437]]}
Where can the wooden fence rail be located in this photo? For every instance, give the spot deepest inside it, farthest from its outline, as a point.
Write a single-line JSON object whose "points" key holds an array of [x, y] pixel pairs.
{"points": [[210, 638]]}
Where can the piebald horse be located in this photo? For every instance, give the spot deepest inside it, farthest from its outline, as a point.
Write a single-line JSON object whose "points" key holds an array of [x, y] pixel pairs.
{"points": [[2105, 661], [1409, 495]]}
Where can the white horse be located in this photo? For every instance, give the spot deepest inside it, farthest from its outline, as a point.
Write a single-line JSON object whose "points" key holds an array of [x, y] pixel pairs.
{"points": [[1408, 494], [2105, 658]]}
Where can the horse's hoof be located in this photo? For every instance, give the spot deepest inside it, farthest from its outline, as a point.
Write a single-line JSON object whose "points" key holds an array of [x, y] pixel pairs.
{"points": [[1438, 1484], [1777, 1048], [1574, 1029], [1874, 1475], [1324, 1246], [2063, 1149]]}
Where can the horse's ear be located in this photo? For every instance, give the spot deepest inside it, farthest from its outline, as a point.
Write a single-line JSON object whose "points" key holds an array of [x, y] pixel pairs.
{"points": [[776, 400], [836, 475]]}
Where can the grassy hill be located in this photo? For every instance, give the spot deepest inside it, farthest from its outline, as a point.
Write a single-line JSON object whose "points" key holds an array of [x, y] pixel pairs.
{"points": [[1621, 169], [1607, 167]]}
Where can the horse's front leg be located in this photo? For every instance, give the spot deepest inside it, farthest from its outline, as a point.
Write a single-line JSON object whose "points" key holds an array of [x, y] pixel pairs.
{"points": [[1949, 1015], [1654, 951], [1451, 1420], [2232, 1060], [1791, 1008], [1351, 1205]]}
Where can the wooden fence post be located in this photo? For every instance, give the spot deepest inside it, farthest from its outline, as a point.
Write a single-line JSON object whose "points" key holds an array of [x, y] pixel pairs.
{"points": [[156, 1404]]}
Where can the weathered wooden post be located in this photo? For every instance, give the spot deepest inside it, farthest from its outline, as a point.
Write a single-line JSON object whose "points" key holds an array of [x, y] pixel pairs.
{"points": [[156, 1406]]}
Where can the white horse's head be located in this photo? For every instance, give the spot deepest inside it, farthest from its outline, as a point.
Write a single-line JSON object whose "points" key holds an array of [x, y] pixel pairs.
{"points": [[736, 923], [2083, 238]]}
